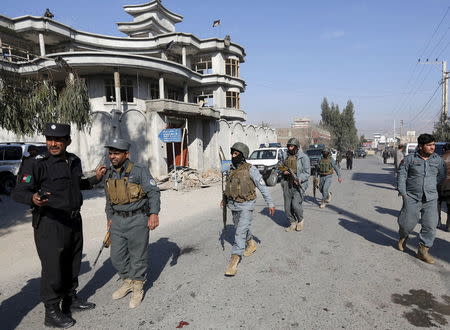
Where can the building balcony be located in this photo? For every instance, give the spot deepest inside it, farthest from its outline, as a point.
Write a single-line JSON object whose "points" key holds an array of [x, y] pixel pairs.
{"points": [[233, 114], [172, 107]]}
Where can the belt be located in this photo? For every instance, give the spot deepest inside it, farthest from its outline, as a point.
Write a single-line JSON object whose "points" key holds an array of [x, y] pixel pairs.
{"points": [[128, 213], [56, 213]]}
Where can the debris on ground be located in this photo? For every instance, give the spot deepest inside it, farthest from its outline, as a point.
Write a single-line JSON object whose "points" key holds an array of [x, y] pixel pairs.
{"points": [[189, 178]]}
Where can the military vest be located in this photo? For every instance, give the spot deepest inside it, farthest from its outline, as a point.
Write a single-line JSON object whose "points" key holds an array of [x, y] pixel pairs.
{"points": [[325, 167], [291, 162], [240, 186], [121, 191]]}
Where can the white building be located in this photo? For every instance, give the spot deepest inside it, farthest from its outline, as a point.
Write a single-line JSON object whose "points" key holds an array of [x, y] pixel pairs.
{"points": [[301, 123], [155, 78]]}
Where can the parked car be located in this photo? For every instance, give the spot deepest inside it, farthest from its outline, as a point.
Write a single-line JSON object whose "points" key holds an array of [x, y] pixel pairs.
{"points": [[266, 161], [11, 156], [314, 153], [440, 148], [360, 153]]}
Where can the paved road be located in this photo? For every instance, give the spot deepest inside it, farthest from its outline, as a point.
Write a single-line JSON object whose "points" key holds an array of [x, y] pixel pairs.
{"points": [[342, 271]]}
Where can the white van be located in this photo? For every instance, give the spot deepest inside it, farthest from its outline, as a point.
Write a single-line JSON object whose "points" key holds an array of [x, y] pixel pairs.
{"points": [[410, 148], [266, 161]]}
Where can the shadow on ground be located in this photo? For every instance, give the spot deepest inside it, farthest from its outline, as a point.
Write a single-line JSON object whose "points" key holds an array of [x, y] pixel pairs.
{"points": [[387, 178]]}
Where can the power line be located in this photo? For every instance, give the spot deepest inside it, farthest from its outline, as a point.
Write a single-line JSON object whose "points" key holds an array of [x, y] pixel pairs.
{"points": [[426, 104]]}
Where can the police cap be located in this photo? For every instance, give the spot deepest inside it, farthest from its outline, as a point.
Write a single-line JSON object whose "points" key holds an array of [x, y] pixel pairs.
{"points": [[119, 144], [58, 130]]}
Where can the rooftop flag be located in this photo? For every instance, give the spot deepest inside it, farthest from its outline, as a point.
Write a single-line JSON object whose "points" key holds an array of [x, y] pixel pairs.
{"points": [[216, 23]]}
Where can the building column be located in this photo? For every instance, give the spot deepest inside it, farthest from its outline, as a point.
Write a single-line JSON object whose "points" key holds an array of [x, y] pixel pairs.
{"points": [[183, 55], [117, 90], [42, 44], [161, 86], [185, 92], [164, 56], [195, 147]]}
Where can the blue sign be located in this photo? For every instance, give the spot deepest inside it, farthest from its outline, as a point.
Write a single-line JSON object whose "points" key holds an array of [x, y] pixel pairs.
{"points": [[170, 135], [225, 165]]}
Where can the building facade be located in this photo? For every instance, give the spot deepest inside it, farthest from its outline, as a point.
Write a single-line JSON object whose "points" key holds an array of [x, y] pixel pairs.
{"points": [[152, 79]]}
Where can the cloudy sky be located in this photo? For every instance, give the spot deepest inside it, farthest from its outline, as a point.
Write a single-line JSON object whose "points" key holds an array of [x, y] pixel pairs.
{"points": [[299, 52]]}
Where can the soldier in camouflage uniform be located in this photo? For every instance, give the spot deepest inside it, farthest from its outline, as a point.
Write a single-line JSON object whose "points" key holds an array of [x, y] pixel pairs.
{"points": [[240, 191], [294, 184], [325, 168]]}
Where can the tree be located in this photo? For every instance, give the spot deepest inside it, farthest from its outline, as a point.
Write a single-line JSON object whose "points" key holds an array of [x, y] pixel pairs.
{"points": [[442, 129], [26, 104], [341, 125]]}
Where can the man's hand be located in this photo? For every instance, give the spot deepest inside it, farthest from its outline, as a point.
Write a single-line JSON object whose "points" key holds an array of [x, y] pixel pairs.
{"points": [[153, 221], [100, 172], [339, 180], [287, 173], [36, 199], [271, 211]]}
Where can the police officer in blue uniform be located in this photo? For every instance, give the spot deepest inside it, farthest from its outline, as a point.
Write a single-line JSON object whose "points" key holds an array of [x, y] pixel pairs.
{"points": [[132, 208], [418, 177], [51, 183], [325, 168]]}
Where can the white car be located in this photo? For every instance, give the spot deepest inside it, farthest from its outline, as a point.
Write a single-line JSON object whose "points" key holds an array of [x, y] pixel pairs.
{"points": [[266, 161]]}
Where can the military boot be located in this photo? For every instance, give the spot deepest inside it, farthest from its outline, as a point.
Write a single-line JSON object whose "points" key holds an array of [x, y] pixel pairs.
{"points": [[123, 290], [138, 293], [423, 254], [401, 245], [250, 247], [300, 225], [291, 227], [232, 266], [322, 204], [54, 318], [329, 197]]}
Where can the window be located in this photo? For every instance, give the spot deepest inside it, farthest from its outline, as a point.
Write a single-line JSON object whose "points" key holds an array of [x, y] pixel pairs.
{"points": [[205, 100], [174, 58], [232, 67], [233, 100], [13, 153], [202, 64], [153, 90], [126, 90], [173, 93]]}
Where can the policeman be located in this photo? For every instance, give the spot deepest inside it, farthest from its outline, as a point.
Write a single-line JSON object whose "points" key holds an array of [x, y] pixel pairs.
{"points": [[418, 177], [132, 207], [52, 184], [294, 184], [325, 168], [241, 195]]}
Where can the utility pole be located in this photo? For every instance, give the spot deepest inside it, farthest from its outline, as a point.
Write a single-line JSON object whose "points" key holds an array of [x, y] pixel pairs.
{"points": [[444, 91], [401, 129]]}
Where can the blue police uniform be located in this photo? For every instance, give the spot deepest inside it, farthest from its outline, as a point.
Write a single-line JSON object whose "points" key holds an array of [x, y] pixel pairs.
{"points": [[417, 183], [325, 181]]}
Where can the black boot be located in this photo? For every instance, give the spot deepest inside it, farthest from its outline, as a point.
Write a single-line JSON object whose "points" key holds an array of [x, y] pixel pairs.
{"points": [[54, 318], [72, 304]]}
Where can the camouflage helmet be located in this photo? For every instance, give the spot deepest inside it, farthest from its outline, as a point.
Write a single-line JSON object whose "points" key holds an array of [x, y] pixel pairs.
{"points": [[326, 151], [293, 142], [242, 148]]}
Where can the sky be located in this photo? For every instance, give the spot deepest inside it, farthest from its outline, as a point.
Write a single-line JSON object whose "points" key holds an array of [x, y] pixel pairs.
{"points": [[299, 52]]}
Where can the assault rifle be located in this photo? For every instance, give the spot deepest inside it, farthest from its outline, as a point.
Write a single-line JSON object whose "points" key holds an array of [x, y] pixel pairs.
{"points": [[105, 244], [292, 181], [315, 180]]}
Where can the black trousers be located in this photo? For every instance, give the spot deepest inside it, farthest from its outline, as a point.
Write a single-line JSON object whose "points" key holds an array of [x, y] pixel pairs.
{"points": [[349, 163], [59, 244]]}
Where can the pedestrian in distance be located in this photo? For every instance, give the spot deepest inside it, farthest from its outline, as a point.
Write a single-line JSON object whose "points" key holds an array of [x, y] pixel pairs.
{"points": [[132, 208], [52, 184], [417, 181], [296, 172], [385, 156], [349, 155], [398, 156], [444, 189], [326, 167], [240, 191]]}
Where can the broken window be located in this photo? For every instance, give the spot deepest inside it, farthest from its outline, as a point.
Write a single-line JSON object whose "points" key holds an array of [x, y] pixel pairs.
{"points": [[233, 100], [204, 99], [202, 64], [126, 90], [232, 67]]}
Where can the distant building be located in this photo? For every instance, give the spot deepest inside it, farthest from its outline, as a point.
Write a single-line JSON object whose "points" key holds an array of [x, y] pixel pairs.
{"points": [[301, 123], [307, 134]]}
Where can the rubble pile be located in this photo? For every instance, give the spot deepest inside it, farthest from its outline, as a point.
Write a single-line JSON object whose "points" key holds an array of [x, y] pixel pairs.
{"points": [[189, 178]]}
